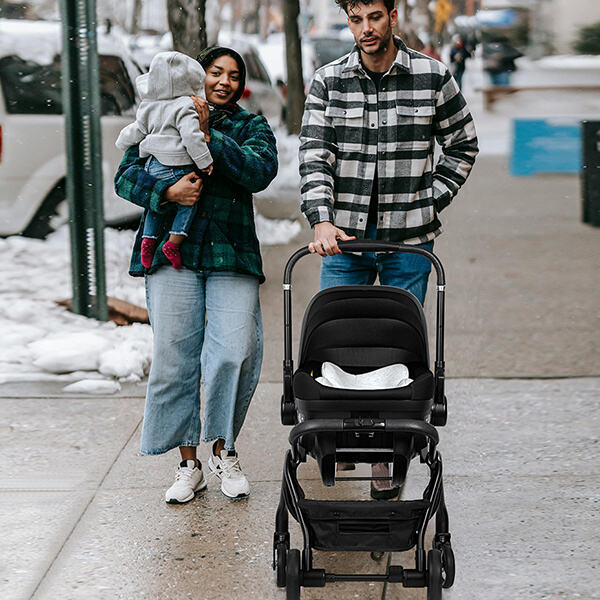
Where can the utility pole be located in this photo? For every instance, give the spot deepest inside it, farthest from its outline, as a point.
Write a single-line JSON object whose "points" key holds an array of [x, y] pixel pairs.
{"points": [[81, 100]]}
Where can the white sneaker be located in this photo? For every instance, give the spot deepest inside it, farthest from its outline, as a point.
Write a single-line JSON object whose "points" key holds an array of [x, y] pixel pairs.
{"points": [[189, 479], [227, 468]]}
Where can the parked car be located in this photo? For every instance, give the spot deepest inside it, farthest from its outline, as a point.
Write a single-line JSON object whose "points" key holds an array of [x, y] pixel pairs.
{"points": [[32, 136], [331, 45]]}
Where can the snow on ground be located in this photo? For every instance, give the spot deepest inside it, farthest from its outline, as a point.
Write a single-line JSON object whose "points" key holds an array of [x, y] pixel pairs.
{"points": [[42, 341], [287, 182]]}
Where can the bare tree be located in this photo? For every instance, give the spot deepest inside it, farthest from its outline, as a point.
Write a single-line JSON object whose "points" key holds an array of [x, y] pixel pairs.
{"points": [[293, 55], [135, 16], [188, 25]]}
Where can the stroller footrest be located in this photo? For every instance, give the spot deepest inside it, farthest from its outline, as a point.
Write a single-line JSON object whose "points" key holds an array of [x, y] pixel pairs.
{"points": [[395, 574]]}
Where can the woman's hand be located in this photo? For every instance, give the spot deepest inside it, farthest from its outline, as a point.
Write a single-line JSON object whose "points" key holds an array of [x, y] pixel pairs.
{"points": [[186, 191], [203, 113]]}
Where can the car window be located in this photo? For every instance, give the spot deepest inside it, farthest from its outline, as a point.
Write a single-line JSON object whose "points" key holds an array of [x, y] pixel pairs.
{"points": [[328, 49], [31, 88], [256, 69]]}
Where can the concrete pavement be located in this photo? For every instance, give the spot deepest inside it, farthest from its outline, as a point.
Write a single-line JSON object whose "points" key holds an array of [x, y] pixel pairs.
{"points": [[83, 514]]}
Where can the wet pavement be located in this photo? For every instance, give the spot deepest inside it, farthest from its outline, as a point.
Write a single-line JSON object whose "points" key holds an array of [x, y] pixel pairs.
{"points": [[83, 513]]}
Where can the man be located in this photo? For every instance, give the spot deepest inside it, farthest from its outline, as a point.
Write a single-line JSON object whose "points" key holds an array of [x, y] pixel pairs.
{"points": [[366, 156], [458, 58]]}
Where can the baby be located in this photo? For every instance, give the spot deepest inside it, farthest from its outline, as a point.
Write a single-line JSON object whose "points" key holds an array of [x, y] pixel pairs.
{"points": [[168, 131]]}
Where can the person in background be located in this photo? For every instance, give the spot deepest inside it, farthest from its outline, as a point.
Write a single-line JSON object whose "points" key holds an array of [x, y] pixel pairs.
{"points": [[370, 124], [458, 58], [499, 60], [429, 50]]}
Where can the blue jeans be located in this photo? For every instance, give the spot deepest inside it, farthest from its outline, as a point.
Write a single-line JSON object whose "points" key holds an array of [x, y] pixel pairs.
{"points": [[206, 325], [154, 224], [403, 270], [502, 78]]}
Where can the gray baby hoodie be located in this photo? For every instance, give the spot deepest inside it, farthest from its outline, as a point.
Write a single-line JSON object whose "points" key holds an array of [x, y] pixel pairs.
{"points": [[166, 123]]}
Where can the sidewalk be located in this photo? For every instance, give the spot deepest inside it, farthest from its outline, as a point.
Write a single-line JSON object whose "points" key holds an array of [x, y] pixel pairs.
{"points": [[83, 513]]}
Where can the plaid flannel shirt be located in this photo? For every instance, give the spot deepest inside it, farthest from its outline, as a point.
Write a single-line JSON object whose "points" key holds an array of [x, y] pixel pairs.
{"points": [[244, 152], [349, 130]]}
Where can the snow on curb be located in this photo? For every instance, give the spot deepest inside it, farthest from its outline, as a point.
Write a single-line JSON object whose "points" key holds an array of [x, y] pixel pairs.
{"points": [[43, 342]]}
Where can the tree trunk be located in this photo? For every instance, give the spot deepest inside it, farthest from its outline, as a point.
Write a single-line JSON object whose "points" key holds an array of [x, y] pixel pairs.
{"points": [[188, 25], [135, 17], [293, 56]]}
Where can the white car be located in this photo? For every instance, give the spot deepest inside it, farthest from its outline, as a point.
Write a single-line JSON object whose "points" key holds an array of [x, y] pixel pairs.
{"points": [[32, 136]]}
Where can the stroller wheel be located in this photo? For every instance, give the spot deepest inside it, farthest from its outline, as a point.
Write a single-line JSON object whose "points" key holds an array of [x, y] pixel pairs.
{"points": [[292, 580], [280, 563], [434, 575], [447, 564]]}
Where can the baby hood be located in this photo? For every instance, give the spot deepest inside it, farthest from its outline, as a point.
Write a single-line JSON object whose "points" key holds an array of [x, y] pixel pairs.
{"points": [[171, 74]]}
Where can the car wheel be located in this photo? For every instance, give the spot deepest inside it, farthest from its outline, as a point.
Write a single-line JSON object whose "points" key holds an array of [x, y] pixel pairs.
{"points": [[53, 212]]}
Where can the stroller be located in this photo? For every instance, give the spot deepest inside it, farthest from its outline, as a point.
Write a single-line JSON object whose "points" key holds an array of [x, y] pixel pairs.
{"points": [[362, 328]]}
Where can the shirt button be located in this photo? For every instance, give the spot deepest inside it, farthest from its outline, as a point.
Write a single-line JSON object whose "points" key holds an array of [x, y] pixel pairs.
{"points": [[372, 124], [360, 219], [384, 122]]}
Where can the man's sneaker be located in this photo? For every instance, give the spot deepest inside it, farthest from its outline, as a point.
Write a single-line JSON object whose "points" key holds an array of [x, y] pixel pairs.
{"points": [[227, 468], [189, 479], [382, 490]]}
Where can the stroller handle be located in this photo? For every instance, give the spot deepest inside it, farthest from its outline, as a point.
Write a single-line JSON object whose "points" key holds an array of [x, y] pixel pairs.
{"points": [[370, 246], [287, 407]]}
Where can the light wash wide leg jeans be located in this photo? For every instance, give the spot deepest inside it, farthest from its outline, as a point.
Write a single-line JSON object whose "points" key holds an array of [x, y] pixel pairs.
{"points": [[206, 325]]}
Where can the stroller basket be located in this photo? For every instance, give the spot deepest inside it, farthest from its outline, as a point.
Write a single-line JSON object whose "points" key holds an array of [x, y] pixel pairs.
{"points": [[360, 526]]}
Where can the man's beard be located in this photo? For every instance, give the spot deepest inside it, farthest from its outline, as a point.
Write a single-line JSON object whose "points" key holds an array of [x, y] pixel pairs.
{"points": [[382, 46]]}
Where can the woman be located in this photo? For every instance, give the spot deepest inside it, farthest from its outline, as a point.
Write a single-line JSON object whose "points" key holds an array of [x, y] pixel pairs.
{"points": [[206, 317]]}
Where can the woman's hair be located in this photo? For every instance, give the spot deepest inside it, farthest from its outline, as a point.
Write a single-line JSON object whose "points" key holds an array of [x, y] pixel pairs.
{"points": [[208, 56], [344, 4]]}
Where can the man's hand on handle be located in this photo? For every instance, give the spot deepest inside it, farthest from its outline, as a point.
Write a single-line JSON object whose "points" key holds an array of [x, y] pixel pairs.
{"points": [[326, 236]]}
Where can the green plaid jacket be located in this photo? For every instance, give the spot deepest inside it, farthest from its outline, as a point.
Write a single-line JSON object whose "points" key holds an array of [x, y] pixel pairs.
{"points": [[244, 151]]}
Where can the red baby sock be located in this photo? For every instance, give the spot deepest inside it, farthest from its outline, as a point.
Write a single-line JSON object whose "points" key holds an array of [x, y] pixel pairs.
{"points": [[171, 251], [148, 248]]}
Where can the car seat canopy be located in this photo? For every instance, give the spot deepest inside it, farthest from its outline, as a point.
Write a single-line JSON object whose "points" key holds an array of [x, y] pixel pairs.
{"points": [[364, 327]]}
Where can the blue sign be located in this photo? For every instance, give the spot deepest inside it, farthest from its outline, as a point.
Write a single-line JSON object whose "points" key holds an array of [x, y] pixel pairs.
{"points": [[546, 146], [497, 18]]}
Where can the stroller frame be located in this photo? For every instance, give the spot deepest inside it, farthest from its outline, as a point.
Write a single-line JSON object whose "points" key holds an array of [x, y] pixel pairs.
{"points": [[407, 522]]}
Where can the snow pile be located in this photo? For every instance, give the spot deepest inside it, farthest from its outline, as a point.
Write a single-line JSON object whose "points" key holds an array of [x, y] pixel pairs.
{"points": [[287, 182], [43, 342], [570, 61]]}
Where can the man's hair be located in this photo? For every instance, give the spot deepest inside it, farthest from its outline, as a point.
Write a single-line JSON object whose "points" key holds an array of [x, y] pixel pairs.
{"points": [[346, 4]]}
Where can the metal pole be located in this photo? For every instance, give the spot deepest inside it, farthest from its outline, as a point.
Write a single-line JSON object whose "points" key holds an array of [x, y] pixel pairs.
{"points": [[81, 100]]}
